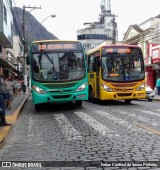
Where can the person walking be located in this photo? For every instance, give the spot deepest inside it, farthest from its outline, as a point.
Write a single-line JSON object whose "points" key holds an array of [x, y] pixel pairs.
{"points": [[158, 85], [8, 83], [2, 101]]}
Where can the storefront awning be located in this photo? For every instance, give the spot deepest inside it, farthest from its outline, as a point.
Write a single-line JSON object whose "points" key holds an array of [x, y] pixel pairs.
{"points": [[7, 66]]}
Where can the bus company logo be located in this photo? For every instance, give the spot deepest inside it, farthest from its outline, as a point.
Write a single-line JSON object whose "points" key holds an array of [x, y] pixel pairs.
{"points": [[6, 164], [124, 90], [61, 91]]}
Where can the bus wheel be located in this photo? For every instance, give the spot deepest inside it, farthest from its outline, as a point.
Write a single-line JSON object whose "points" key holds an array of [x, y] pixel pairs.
{"points": [[91, 95], [128, 101], [78, 103], [37, 106]]}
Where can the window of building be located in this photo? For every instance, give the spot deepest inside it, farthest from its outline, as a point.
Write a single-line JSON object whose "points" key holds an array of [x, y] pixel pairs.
{"points": [[5, 14]]}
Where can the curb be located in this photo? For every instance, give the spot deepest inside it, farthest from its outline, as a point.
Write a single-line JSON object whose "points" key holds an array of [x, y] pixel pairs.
{"points": [[4, 131]]}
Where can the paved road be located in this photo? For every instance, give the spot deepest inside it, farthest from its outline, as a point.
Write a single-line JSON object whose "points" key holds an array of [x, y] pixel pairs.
{"points": [[109, 131]]}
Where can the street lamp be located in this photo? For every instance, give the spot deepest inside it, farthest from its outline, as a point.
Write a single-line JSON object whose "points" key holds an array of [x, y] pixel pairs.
{"points": [[52, 16]]}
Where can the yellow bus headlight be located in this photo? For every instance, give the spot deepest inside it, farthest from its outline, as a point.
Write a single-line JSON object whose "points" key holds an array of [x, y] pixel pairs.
{"points": [[82, 87], [38, 90], [106, 88], [141, 87]]}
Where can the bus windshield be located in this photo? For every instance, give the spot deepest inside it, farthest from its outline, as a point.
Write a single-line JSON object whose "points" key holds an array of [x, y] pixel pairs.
{"points": [[58, 66], [122, 64]]}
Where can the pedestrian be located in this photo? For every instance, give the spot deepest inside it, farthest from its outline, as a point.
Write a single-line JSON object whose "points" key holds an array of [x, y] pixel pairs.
{"points": [[2, 101], [158, 85], [8, 83]]}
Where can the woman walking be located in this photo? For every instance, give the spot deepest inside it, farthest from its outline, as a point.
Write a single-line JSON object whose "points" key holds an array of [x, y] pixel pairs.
{"points": [[2, 101]]}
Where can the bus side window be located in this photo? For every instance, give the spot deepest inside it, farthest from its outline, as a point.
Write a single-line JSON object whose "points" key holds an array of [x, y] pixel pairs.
{"points": [[97, 63], [91, 64]]}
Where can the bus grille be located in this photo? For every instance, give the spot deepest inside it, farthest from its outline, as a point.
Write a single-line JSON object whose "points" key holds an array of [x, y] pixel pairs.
{"points": [[59, 85], [124, 94], [61, 97], [117, 85]]}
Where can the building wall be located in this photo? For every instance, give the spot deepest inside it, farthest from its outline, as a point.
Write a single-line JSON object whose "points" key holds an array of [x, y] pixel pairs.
{"points": [[148, 38], [6, 24]]}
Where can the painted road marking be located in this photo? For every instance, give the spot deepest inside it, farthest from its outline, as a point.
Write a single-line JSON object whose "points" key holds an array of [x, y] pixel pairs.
{"points": [[120, 121], [149, 129], [96, 125], [148, 112], [141, 118], [31, 123], [68, 130]]}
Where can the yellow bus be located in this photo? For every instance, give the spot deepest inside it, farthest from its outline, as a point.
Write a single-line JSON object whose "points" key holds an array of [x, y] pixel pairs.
{"points": [[116, 72]]}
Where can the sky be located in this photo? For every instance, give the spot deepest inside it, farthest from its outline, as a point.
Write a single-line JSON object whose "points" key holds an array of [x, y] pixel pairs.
{"points": [[72, 14]]}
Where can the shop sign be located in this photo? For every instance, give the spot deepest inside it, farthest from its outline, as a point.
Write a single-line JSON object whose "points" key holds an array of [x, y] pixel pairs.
{"points": [[156, 55], [148, 60]]}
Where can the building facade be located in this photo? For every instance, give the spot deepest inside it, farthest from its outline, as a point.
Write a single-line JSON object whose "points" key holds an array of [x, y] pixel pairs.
{"points": [[95, 33], [8, 40], [146, 35]]}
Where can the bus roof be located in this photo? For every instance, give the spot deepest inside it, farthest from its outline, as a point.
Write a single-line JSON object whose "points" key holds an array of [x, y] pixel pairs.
{"points": [[55, 41]]}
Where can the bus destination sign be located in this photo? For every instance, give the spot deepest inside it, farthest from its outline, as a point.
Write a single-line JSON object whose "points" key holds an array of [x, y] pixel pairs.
{"points": [[118, 50], [58, 46]]}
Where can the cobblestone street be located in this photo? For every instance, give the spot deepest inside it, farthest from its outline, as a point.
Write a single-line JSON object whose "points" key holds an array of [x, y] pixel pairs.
{"points": [[112, 132]]}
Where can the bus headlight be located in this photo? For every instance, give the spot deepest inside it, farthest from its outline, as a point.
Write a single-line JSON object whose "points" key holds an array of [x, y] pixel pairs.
{"points": [[39, 90], [82, 87], [106, 88], [141, 87]]}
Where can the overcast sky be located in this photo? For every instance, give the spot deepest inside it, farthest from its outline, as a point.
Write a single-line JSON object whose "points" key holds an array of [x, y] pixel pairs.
{"points": [[72, 14]]}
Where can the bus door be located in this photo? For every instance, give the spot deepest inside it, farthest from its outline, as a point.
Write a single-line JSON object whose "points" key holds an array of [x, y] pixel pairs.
{"points": [[97, 69]]}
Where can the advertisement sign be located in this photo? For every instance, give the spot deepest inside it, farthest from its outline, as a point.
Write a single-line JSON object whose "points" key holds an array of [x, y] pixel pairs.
{"points": [[156, 54]]}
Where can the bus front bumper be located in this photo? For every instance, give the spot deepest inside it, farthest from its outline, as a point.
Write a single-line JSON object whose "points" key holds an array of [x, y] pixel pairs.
{"points": [[58, 98], [123, 95]]}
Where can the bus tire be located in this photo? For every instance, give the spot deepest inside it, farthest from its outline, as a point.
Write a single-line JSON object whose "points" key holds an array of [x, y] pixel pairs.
{"points": [[37, 106], [127, 101], [78, 103]]}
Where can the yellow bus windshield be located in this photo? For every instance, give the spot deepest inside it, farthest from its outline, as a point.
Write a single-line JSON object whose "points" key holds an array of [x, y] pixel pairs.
{"points": [[122, 64]]}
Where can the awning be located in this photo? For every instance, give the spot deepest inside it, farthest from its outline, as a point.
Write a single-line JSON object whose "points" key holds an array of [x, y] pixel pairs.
{"points": [[7, 66]]}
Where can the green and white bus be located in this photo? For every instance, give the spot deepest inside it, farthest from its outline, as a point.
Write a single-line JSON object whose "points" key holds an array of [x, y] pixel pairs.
{"points": [[58, 72]]}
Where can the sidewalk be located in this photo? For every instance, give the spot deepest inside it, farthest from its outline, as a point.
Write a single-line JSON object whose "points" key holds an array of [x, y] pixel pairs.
{"points": [[12, 115]]}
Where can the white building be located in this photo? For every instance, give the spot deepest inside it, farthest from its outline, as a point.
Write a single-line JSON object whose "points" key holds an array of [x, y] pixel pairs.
{"points": [[96, 33], [146, 35]]}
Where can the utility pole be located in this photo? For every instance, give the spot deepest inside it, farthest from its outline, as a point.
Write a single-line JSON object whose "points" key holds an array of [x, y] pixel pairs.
{"points": [[114, 30], [25, 44]]}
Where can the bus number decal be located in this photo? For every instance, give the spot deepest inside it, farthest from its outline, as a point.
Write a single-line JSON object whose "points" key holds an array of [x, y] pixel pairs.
{"points": [[57, 46]]}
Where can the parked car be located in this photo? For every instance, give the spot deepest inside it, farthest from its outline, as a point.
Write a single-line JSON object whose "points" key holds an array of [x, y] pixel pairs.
{"points": [[149, 93]]}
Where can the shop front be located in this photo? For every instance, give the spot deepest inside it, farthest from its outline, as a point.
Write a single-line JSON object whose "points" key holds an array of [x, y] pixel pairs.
{"points": [[8, 62], [153, 66]]}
